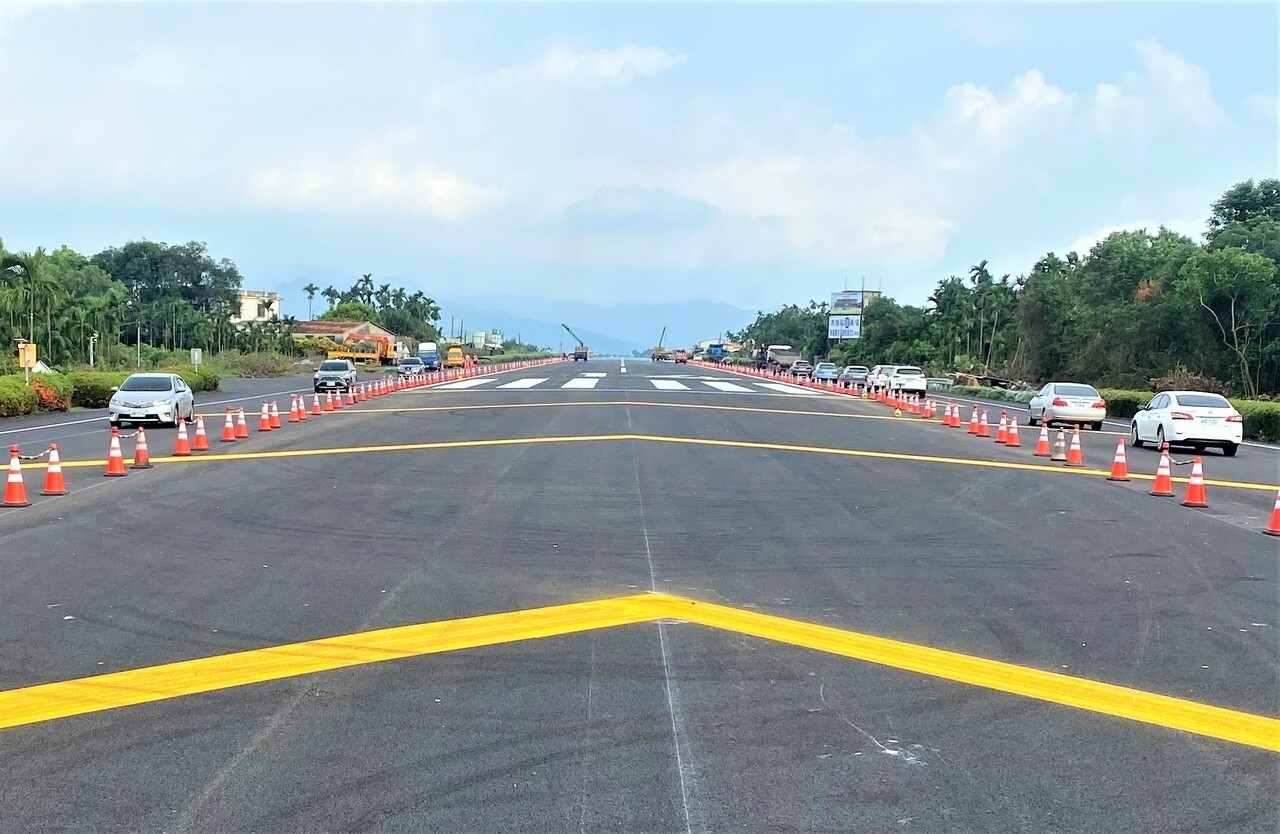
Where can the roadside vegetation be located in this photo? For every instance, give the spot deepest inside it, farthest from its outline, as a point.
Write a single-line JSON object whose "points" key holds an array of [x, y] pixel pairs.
{"points": [[1141, 310]]}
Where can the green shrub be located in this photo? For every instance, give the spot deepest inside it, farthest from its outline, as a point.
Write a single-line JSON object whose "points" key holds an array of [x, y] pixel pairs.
{"points": [[1261, 419], [257, 365], [15, 397], [92, 389], [1123, 404], [199, 379], [53, 392]]}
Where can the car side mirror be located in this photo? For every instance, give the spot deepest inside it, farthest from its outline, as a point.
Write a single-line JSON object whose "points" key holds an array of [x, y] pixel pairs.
{"points": [[115, 388], [1143, 407]]}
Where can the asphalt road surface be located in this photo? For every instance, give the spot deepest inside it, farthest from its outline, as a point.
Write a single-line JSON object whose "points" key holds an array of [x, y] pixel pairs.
{"points": [[671, 598]]}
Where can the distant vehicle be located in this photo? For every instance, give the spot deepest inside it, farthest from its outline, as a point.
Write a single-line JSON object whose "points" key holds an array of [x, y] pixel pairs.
{"points": [[151, 398], [660, 353], [454, 357], [334, 375], [429, 353], [879, 375], [908, 378], [825, 371], [781, 357], [853, 375], [682, 356], [580, 350], [368, 349], [800, 368], [1189, 418], [1067, 402], [699, 356], [715, 352], [411, 366]]}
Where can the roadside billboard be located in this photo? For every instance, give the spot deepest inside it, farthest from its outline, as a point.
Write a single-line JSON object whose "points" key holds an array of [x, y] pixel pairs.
{"points": [[844, 327], [851, 302]]}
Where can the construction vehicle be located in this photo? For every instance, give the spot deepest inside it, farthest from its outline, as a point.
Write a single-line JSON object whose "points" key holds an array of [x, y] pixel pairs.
{"points": [[454, 357], [580, 351], [682, 356], [781, 357], [660, 353], [366, 349]]}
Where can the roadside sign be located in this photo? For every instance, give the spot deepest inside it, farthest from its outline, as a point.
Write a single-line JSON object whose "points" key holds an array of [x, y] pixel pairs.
{"points": [[27, 355], [197, 356], [844, 327]]}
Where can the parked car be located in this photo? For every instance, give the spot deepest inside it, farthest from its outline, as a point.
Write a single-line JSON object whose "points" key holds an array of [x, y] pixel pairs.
{"points": [[412, 366], [1067, 402], [853, 375], [152, 398], [825, 371], [879, 375], [908, 378], [1188, 418], [801, 368], [334, 375]]}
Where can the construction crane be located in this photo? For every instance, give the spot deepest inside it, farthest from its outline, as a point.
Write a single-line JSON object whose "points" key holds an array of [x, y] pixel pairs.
{"points": [[579, 352], [660, 353]]}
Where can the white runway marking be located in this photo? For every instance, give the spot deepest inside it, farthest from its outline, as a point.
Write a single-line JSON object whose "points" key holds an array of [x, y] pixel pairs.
{"points": [[581, 383], [524, 383], [669, 385]]}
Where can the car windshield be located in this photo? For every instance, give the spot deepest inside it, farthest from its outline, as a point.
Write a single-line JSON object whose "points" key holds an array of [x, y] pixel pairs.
{"points": [[412, 360], [909, 371], [826, 366], [1203, 401], [147, 383], [1071, 390], [333, 366]]}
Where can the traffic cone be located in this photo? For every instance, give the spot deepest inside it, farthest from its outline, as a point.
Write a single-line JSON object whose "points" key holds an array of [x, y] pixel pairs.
{"points": [[1195, 496], [141, 455], [275, 416], [182, 447], [229, 428], [1273, 526], [15, 491], [1059, 448], [1013, 438], [316, 410], [54, 482], [1002, 432], [1119, 465], [328, 401], [1162, 486], [984, 430], [1042, 444], [293, 409], [1075, 455], [351, 395], [201, 441], [115, 460], [973, 421], [242, 426], [264, 419], [302, 408]]}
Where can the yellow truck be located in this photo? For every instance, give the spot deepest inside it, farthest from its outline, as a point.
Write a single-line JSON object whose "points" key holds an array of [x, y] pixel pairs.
{"points": [[453, 357]]}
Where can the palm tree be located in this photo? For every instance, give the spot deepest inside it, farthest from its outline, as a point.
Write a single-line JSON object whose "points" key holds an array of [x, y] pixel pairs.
{"points": [[383, 296], [311, 290], [332, 296]]}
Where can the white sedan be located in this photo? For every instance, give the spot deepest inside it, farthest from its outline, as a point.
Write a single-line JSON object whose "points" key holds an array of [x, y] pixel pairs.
{"points": [[1067, 402], [1188, 418]]}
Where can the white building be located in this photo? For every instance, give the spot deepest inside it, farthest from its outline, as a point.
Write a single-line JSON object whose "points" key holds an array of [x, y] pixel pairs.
{"points": [[256, 306]]}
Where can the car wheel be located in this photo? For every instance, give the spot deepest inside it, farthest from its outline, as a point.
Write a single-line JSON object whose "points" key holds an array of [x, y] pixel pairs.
{"points": [[1160, 441], [1135, 441], [1230, 450], [1096, 426], [191, 417], [1032, 420]]}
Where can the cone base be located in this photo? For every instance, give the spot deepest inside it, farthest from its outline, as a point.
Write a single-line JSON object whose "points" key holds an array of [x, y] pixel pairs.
{"points": [[115, 474], [1114, 478], [1198, 504], [53, 492], [1271, 532], [138, 466], [15, 504], [1168, 494]]}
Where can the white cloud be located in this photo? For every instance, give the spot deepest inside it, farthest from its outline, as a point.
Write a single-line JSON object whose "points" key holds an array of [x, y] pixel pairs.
{"points": [[620, 65], [1030, 103], [986, 26], [1169, 92], [1264, 107]]}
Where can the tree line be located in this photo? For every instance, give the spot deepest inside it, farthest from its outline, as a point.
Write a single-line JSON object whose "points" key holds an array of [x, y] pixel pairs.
{"points": [[170, 297], [1138, 305]]}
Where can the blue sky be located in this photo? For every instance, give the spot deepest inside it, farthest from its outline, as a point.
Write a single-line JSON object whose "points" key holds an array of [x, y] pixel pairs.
{"points": [[751, 154]]}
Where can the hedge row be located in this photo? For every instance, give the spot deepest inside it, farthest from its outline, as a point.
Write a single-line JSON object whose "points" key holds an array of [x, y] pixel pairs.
{"points": [[1261, 419], [15, 397], [83, 389]]}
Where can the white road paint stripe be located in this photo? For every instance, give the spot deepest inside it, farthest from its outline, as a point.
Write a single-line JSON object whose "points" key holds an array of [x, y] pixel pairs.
{"points": [[721, 385], [464, 383], [787, 389], [669, 385], [524, 383], [581, 383], [594, 376]]}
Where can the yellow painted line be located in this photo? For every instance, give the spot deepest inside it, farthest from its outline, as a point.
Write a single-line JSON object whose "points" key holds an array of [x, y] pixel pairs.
{"points": [[692, 441], [64, 699], [1081, 693]]}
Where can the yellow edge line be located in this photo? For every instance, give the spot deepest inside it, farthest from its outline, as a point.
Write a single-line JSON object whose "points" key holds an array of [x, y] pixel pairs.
{"points": [[64, 699], [692, 441], [1081, 693], [46, 702]]}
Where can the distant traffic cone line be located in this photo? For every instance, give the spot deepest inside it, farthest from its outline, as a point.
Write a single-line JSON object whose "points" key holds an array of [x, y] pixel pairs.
{"points": [[1042, 443], [1013, 434], [1195, 495], [1273, 526], [15, 491], [54, 481], [1059, 448], [1002, 431], [229, 428], [182, 447], [1162, 486], [274, 414], [1075, 454], [115, 460], [242, 425], [141, 454], [1119, 464]]}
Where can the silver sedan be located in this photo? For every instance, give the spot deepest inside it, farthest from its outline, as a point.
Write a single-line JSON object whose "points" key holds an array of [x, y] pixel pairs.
{"points": [[152, 398], [1067, 402]]}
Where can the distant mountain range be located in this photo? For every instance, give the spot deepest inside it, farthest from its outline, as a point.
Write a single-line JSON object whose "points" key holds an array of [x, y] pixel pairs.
{"points": [[614, 328]]}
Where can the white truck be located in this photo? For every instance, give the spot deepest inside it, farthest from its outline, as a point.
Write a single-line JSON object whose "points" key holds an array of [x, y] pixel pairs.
{"points": [[782, 356]]}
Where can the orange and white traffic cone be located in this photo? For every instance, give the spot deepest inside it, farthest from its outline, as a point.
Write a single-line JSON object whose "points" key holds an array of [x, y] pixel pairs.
{"points": [[1059, 448], [275, 416], [1195, 496], [293, 409], [264, 418], [229, 428], [1273, 526], [242, 426], [200, 443], [54, 481], [182, 447], [1013, 436], [1002, 432], [302, 408], [351, 395], [984, 428], [973, 421], [141, 455], [1119, 465], [1042, 443], [316, 410], [329, 404], [15, 491], [1075, 455], [115, 460], [1162, 486]]}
